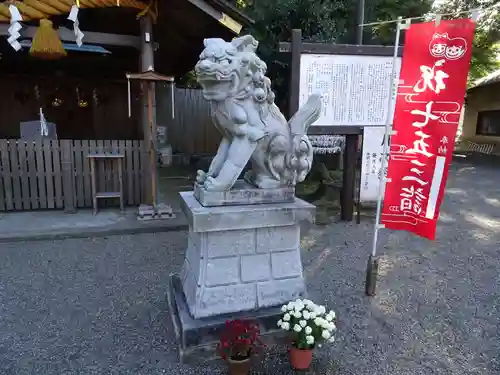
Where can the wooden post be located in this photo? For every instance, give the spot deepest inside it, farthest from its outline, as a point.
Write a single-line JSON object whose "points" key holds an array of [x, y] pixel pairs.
{"points": [[296, 50], [351, 144], [68, 176], [93, 178], [147, 63], [349, 177], [152, 145], [120, 182]]}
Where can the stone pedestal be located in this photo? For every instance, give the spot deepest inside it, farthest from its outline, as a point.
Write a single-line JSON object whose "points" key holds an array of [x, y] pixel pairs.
{"points": [[243, 193], [242, 258], [242, 262], [198, 338]]}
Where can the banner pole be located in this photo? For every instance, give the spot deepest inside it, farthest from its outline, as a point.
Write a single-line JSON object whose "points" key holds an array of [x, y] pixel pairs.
{"points": [[372, 266]]}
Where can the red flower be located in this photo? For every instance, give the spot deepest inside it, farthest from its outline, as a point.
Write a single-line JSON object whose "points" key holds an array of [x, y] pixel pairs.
{"points": [[240, 339]]}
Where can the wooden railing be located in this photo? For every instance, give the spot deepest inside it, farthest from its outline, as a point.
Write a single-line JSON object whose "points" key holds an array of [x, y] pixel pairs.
{"points": [[55, 174]]}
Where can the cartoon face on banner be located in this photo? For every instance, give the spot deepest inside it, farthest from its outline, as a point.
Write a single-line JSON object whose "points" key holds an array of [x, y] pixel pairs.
{"points": [[442, 45]]}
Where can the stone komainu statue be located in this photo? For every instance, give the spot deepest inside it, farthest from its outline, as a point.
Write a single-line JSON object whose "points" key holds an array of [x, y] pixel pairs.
{"points": [[233, 80]]}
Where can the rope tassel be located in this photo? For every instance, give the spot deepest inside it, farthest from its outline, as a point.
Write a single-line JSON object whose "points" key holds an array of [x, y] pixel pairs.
{"points": [[46, 43]]}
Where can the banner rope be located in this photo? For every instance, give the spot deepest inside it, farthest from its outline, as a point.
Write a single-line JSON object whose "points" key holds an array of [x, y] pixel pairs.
{"points": [[474, 12]]}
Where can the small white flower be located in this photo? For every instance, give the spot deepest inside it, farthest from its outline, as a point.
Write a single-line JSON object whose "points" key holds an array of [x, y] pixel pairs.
{"points": [[280, 323], [298, 301], [329, 318], [285, 326], [321, 310], [332, 314], [331, 339], [310, 340], [306, 314], [325, 334], [312, 315], [332, 327], [312, 307], [303, 323], [297, 314], [318, 322], [299, 306], [290, 306], [297, 328], [284, 308], [286, 317], [308, 330], [308, 302]]}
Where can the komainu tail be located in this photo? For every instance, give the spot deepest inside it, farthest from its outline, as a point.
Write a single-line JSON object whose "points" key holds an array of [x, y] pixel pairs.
{"points": [[302, 150], [306, 115], [290, 156]]}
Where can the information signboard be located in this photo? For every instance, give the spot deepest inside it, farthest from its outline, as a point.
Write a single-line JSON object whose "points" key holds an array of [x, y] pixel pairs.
{"points": [[371, 167], [355, 88]]}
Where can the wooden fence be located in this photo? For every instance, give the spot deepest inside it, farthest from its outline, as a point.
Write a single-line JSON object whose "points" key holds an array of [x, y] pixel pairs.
{"points": [[192, 131], [55, 174]]}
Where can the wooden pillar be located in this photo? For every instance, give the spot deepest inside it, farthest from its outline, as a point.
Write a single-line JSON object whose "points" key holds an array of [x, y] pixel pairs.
{"points": [[146, 63]]}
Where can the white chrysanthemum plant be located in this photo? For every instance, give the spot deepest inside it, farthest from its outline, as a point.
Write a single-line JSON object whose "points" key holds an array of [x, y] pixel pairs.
{"points": [[310, 324]]}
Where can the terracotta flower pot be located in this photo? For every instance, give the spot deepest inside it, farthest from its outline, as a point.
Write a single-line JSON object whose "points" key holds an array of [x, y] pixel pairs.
{"points": [[300, 359], [239, 367]]}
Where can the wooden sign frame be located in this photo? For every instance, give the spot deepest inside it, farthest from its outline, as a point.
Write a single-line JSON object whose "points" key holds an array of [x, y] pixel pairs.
{"points": [[298, 48], [351, 133]]}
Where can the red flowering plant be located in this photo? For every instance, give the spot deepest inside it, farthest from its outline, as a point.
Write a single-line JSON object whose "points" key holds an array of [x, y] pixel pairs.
{"points": [[239, 340]]}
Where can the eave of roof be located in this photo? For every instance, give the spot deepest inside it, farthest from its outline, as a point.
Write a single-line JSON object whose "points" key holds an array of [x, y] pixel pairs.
{"points": [[490, 79], [232, 11]]}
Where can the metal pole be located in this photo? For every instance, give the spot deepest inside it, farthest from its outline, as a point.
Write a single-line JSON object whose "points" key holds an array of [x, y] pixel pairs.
{"points": [[360, 21], [351, 143], [296, 50], [372, 267]]}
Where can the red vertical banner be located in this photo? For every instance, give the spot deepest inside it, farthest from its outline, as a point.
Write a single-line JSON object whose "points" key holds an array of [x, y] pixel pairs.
{"points": [[430, 97]]}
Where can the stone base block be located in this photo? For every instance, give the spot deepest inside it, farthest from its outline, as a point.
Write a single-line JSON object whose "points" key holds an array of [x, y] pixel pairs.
{"points": [[198, 338], [243, 193], [162, 211], [242, 258]]}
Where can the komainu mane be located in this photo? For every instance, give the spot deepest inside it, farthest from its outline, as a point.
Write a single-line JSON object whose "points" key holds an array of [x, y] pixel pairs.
{"points": [[233, 80]]}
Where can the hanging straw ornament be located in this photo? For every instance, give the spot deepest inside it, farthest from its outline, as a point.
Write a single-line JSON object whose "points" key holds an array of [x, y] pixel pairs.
{"points": [[46, 43]]}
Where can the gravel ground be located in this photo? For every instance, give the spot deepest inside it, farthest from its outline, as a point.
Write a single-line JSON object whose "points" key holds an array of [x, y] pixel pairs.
{"points": [[96, 306]]}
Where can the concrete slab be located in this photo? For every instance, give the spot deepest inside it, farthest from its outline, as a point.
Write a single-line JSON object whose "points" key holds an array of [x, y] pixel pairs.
{"points": [[56, 224], [50, 225]]}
